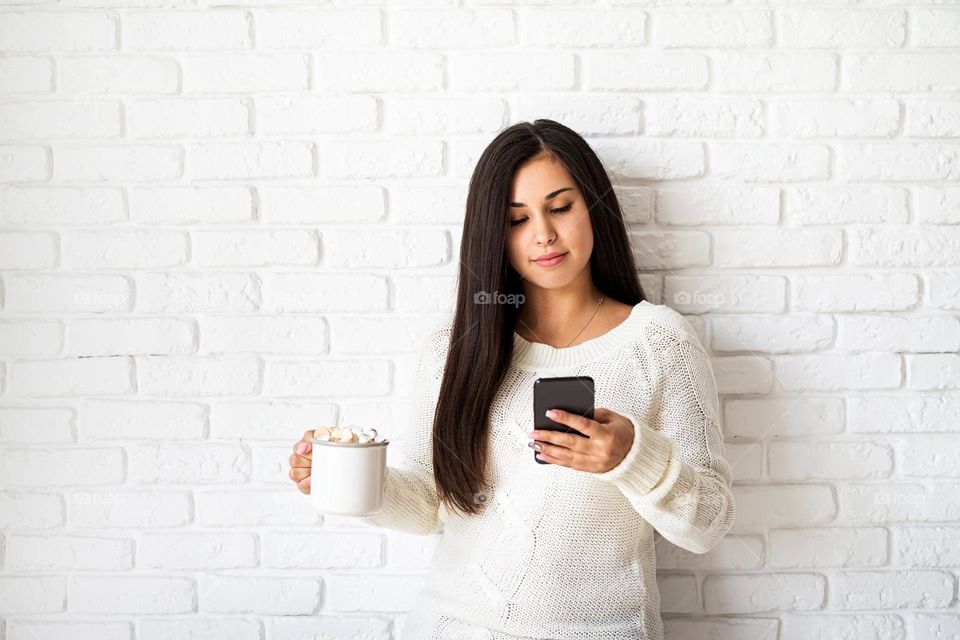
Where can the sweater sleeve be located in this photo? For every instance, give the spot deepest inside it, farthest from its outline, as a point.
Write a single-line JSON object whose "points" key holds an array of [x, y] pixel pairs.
{"points": [[675, 474], [410, 502]]}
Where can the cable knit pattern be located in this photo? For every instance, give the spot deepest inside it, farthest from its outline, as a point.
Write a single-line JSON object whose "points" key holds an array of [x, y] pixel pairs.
{"points": [[560, 553]]}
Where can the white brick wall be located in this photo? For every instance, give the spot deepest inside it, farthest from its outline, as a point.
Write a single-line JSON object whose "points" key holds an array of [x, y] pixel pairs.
{"points": [[224, 222]]}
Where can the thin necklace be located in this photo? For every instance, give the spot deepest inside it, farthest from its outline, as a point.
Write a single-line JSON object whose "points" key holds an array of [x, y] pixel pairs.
{"points": [[588, 321]]}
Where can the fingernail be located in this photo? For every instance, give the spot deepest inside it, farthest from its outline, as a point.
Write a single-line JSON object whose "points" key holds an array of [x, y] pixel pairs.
{"points": [[535, 446], [301, 447], [551, 413]]}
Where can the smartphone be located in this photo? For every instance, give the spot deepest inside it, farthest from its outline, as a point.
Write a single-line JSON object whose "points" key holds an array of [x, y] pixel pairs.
{"points": [[573, 394]]}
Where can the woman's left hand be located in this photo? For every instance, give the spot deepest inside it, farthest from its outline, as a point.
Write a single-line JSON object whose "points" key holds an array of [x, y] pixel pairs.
{"points": [[609, 437]]}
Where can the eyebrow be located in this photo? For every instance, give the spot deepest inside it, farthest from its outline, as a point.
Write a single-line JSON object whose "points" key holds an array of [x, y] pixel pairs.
{"points": [[547, 197]]}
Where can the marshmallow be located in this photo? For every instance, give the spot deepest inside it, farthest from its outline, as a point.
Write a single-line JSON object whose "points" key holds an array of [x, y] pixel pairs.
{"points": [[348, 434]]}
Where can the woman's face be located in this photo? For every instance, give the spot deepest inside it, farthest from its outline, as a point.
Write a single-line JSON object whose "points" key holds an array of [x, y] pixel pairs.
{"points": [[538, 227]]}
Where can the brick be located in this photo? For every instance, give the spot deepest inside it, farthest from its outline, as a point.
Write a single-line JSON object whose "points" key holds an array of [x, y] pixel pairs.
{"points": [[19, 424], [777, 247], [891, 589], [24, 163], [764, 507], [559, 26], [199, 375], [197, 550], [914, 71], [185, 292], [138, 595], [33, 594], [78, 377], [732, 293], [191, 205], [381, 158], [394, 248], [855, 292], [69, 553], [796, 626], [718, 205], [22, 75], [63, 467], [323, 28], [378, 71], [129, 509], [240, 160], [244, 507], [59, 31], [130, 336], [62, 206], [846, 204], [131, 163], [66, 120], [123, 249], [933, 371], [295, 114], [27, 251], [268, 420], [838, 28], [771, 334], [771, 161], [828, 547], [774, 72], [926, 546], [264, 334], [916, 333], [164, 463], [835, 118], [644, 71], [255, 247], [900, 502], [904, 413], [804, 461], [769, 418], [322, 550], [118, 75], [744, 28], [173, 30], [764, 593], [188, 118], [104, 420], [245, 73], [704, 117]]}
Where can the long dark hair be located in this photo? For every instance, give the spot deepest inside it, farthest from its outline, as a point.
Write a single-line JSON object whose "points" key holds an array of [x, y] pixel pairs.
{"points": [[481, 344]]}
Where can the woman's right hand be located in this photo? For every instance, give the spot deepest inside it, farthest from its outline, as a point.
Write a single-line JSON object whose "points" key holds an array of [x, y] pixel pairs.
{"points": [[300, 462]]}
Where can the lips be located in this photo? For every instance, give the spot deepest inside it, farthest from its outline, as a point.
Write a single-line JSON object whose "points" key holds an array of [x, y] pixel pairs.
{"points": [[550, 259], [548, 256]]}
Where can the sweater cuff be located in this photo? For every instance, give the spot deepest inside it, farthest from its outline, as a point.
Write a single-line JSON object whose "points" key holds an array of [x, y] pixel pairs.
{"points": [[647, 461]]}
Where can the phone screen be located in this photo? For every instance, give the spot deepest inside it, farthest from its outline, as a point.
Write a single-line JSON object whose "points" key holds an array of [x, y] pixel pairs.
{"points": [[574, 394]]}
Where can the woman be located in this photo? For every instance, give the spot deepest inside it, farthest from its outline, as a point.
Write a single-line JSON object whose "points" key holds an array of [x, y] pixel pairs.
{"points": [[548, 287]]}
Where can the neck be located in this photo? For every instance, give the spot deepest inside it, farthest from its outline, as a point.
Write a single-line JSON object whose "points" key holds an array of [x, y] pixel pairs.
{"points": [[552, 313]]}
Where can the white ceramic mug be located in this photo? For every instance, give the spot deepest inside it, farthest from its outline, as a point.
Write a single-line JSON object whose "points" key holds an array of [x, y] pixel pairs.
{"points": [[347, 478]]}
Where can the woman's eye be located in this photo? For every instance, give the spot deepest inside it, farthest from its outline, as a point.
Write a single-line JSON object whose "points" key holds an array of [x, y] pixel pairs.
{"points": [[514, 223]]}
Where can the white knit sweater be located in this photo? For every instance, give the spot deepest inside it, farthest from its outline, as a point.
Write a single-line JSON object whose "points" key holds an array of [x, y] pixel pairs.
{"points": [[560, 553]]}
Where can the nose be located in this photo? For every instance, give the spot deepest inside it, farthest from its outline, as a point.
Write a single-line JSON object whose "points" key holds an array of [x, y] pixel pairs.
{"points": [[544, 232]]}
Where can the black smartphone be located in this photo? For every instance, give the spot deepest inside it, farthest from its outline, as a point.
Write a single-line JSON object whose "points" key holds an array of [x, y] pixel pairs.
{"points": [[573, 394]]}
